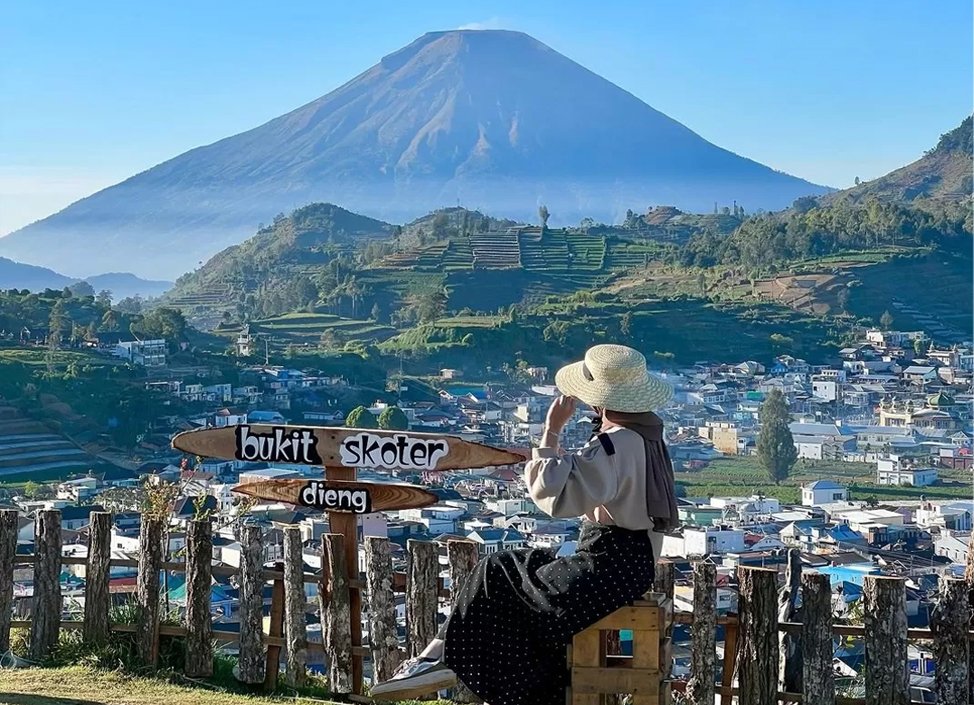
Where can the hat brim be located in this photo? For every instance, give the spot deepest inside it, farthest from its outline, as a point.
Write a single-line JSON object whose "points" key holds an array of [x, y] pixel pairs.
{"points": [[649, 394]]}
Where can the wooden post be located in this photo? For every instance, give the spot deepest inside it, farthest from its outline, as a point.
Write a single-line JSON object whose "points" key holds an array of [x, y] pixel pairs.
{"points": [[98, 600], [758, 636], [272, 667], [729, 663], [335, 604], [818, 681], [346, 524], [951, 647], [250, 662], [462, 557], [665, 578], [199, 587], [422, 593], [147, 590], [663, 583], [295, 601], [887, 668], [45, 625], [790, 665], [700, 689], [382, 608], [8, 549]]}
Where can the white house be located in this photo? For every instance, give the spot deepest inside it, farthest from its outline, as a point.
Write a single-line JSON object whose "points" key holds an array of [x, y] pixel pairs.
{"points": [[894, 470], [147, 353], [952, 547], [821, 492], [702, 541], [952, 516], [493, 540]]}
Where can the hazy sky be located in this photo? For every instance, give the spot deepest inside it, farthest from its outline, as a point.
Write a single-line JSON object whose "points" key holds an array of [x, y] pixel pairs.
{"points": [[93, 92]]}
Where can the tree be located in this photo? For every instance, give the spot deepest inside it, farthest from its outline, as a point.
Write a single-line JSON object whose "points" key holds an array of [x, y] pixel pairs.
{"points": [[104, 298], [166, 323], [920, 346], [360, 417], [81, 289], [625, 323], [776, 446], [56, 324], [842, 298], [393, 418], [376, 312], [543, 215], [886, 321]]}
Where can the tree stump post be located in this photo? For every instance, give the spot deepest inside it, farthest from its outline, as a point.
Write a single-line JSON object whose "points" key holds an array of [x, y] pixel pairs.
{"points": [[98, 600], [45, 625], [790, 666], [295, 602], [700, 689], [250, 662], [8, 549], [462, 557], [758, 636], [422, 593], [147, 590], [382, 608], [818, 681], [887, 668], [199, 582], [951, 648], [338, 623]]}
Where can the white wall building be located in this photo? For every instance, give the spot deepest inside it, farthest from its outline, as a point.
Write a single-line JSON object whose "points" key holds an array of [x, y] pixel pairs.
{"points": [[894, 470], [820, 492], [701, 541]]}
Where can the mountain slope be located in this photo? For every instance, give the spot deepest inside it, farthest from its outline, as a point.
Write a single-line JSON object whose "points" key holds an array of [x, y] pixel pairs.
{"points": [[16, 275], [493, 119]]}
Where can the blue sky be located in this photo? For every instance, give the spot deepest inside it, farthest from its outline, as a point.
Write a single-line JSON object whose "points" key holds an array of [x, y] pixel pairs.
{"points": [[827, 90]]}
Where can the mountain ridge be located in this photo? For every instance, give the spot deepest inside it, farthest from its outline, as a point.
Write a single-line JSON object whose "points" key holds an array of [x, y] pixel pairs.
{"points": [[18, 275]]}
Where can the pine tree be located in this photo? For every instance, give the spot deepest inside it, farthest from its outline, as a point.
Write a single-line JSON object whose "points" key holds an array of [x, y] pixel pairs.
{"points": [[393, 418], [360, 417], [886, 320], [776, 445]]}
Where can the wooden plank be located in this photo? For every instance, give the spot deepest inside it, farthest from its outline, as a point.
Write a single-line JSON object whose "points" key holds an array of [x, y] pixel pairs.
{"points": [[272, 666], [342, 448], [339, 496], [596, 680], [884, 617], [951, 649], [585, 654], [631, 618], [45, 624], [646, 650], [251, 659], [8, 549], [729, 664]]}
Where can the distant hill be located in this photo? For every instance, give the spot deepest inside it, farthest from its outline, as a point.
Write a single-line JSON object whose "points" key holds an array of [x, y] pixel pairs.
{"points": [[942, 174], [16, 275], [492, 119]]}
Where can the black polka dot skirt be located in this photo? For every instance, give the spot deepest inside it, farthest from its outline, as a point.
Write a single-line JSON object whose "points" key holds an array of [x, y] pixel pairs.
{"points": [[507, 636]]}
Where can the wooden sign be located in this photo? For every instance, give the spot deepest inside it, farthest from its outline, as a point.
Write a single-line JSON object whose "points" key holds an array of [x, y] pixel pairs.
{"points": [[342, 447], [340, 496]]}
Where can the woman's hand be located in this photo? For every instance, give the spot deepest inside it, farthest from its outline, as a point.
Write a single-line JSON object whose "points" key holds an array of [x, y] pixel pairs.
{"points": [[559, 413]]}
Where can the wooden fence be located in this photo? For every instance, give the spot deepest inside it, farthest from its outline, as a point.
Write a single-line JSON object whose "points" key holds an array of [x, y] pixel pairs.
{"points": [[768, 656]]}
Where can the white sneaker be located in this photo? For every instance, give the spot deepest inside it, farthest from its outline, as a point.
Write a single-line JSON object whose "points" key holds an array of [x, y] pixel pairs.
{"points": [[415, 678]]}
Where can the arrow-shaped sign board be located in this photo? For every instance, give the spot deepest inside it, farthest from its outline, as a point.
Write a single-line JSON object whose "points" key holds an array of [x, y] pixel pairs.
{"points": [[340, 496], [342, 448]]}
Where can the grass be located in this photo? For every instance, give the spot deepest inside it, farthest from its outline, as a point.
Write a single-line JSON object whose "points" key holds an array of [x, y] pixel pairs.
{"points": [[79, 685]]}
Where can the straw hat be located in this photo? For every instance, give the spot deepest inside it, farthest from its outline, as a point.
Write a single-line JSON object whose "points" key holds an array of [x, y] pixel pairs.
{"points": [[614, 377]]}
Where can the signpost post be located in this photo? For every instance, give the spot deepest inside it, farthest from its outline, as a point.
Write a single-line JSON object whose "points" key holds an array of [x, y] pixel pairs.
{"points": [[341, 451]]}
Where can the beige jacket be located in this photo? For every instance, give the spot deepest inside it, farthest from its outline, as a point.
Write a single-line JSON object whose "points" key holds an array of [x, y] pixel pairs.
{"points": [[591, 483]]}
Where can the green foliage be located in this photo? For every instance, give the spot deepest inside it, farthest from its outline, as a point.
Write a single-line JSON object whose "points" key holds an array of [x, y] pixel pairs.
{"points": [[776, 446], [360, 417], [886, 320], [164, 323], [82, 288], [393, 418]]}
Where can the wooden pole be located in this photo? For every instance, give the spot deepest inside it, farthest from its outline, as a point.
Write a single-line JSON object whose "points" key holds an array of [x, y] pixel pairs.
{"points": [[147, 590], [295, 601], [758, 636], [199, 587], [462, 557], [700, 689], [790, 665], [729, 663], [382, 608], [422, 594], [45, 626], [98, 600], [818, 681], [346, 524], [272, 668], [338, 622], [887, 668], [8, 549], [251, 659], [951, 646]]}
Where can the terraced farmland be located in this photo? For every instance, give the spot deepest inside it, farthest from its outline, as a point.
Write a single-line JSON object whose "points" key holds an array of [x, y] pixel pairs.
{"points": [[309, 327], [29, 449]]}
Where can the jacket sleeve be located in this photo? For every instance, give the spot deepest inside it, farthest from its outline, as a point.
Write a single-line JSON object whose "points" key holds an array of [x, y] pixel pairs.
{"points": [[571, 484]]}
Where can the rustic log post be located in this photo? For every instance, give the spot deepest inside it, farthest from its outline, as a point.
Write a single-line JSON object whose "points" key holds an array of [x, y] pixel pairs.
{"points": [[147, 590], [382, 608], [887, 668], [338, 623], [250, 661], [818, 681], [790, 665], [758, 636], [295, 602], [45, 625], [422, 593], [665, 579], [199, 586], [272, 666], [8, 549], [700, 689], [462, 556], [98, 600], [951, 648]]}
